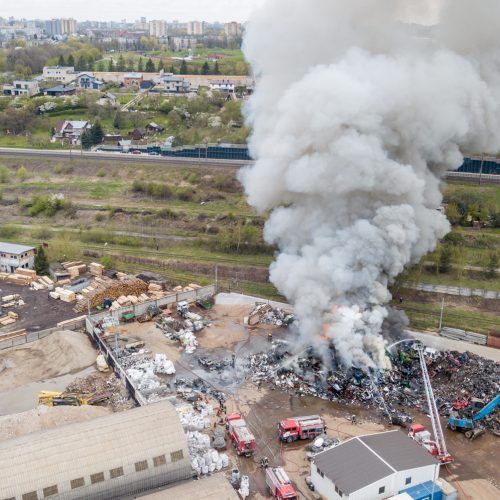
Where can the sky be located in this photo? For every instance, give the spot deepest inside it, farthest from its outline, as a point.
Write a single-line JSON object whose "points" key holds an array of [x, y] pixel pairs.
{"points": [[116, 10]]}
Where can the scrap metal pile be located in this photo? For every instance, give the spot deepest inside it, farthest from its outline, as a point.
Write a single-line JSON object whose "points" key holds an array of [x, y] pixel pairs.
{"points": [[182, 330], [454, 376], [264, 313]]}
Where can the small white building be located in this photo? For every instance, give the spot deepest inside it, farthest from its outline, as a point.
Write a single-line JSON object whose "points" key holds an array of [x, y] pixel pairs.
{"points": [[372, 467], [13, 256], [25, 88], [222, 85], [64, 74]]}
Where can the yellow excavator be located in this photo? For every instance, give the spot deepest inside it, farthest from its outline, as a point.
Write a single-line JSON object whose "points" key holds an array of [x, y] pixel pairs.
{"points": [[55, 398]]}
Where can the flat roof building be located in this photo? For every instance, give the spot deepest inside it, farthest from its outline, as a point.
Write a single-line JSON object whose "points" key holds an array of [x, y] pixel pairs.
{"points": [[107, 457], [13, 256]]}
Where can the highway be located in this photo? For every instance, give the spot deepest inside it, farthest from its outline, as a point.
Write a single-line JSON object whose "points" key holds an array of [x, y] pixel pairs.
{"points": [[122, 157]]}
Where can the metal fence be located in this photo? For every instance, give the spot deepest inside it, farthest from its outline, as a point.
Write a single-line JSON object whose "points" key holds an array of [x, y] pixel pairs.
{"points": [[457, 334], [26, 337]]}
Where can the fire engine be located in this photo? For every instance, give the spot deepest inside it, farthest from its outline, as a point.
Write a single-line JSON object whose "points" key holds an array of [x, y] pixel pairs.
{"points": [[279, 484], [423, 437], [243, 440], [291, 429]]}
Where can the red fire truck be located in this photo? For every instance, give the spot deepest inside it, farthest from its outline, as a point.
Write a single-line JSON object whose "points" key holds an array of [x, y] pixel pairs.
{"points": [[291, 429], [243, 440], [279, 484]]}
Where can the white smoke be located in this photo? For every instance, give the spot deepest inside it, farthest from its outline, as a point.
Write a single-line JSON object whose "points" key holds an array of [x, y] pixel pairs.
{"points": [[355, 120]]}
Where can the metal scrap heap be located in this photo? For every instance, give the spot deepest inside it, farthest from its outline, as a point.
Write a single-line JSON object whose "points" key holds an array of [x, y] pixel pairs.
{"points": [[456, 378]]}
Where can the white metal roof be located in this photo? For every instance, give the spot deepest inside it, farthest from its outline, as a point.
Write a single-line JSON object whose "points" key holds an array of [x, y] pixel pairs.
{"points": [[59, 455], [14, 249]]}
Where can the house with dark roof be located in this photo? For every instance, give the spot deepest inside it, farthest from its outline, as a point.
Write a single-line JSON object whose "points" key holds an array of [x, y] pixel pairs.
{"points": [[88, 81], [372, 467], [59, 90]]}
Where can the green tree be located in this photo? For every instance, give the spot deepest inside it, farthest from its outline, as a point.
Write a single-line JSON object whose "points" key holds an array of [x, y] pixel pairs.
{"points": [[205, 69], [184, 68], [111, 65], [493, 265], [150, 66], [118, 120], [445, 256], [41, 262], [130, 64], [140, 65], [61, 61], [453, 214], [161, 66], [120, 66], [82, 64], [172, 69], [87, 139], [71, 60], [216, 68], [97, 133], [100, 66]]}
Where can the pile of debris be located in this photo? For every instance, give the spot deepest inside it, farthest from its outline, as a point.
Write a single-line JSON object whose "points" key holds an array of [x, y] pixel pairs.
{"points": [[183, 329], [96, 383], [264, 313], [454, 375], [144, 370], [9, 301]]}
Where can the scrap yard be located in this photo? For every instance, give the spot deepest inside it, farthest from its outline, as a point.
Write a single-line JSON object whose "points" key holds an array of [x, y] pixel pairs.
{"points": [[233, 369]]}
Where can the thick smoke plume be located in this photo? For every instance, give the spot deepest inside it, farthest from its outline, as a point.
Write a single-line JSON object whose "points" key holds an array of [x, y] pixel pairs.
{"points": [[356, 117]]}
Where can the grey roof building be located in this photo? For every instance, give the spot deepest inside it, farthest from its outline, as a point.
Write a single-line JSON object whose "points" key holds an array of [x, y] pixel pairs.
{"points": [[107, 457], [373, 466]]}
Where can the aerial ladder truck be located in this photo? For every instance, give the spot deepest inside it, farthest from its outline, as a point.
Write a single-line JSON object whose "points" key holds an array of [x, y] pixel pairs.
{"points": [[442, 453]]}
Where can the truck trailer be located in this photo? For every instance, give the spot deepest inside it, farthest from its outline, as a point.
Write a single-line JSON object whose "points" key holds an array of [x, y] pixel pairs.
{"points": [[291, 429]]}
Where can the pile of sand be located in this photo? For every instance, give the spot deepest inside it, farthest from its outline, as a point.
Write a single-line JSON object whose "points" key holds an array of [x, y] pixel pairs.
{"points": [[58, 354], [46, 417]]}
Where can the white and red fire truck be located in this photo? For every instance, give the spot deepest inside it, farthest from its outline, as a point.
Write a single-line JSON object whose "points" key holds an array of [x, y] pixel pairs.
{"points": [[279, 484], [243, 440], [291, 429], [423, 437]]}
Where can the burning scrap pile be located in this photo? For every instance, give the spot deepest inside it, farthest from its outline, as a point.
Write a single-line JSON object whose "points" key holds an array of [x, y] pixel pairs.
{"points": [[456, 378], [183, 329], [264, 313]]}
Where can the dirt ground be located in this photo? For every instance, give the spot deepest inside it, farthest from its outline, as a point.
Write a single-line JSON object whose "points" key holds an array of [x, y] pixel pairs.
{"points": [[474, 472], [46, 417], [58, 354], [39, 311]]}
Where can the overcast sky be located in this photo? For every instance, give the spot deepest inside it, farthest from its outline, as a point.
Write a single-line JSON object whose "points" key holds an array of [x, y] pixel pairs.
{"points": [[115, 10]]}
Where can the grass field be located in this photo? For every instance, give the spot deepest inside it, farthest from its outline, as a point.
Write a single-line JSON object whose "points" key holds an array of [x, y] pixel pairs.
{"points": [[183, 221]]}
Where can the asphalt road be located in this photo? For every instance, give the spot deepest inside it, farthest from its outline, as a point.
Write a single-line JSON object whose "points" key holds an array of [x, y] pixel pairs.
{"points": [[103, 156]]}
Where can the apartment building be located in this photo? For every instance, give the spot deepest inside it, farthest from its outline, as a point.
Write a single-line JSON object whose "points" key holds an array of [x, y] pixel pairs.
{"points": [[64, 74], [13, 256], [158, 28]]}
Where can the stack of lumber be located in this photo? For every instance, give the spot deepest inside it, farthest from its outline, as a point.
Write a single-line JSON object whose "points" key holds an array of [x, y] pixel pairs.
{"points": [[103, 287], [9, 318], [64, 295], [11, 335], [96, 269], [20, 276], [190, 288], [75, 268]]}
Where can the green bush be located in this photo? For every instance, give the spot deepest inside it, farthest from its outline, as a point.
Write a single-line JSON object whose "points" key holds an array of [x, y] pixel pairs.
{"points": [[9, 231]]}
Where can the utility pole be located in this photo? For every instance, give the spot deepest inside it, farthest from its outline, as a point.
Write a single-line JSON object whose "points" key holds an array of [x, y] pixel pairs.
{"points": [[481, 169], [216, 278], [441, 315]]}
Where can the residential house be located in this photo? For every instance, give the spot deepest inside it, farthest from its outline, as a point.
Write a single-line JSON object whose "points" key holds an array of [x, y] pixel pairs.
{"points": [[59, 90], [222, 85], [25, 88], [88, 81], [71, 129], [137, 134], [63, 74], [147, 85], [132, 79], [174, 84], [372, 467], [107, 99], [13, 256]]}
